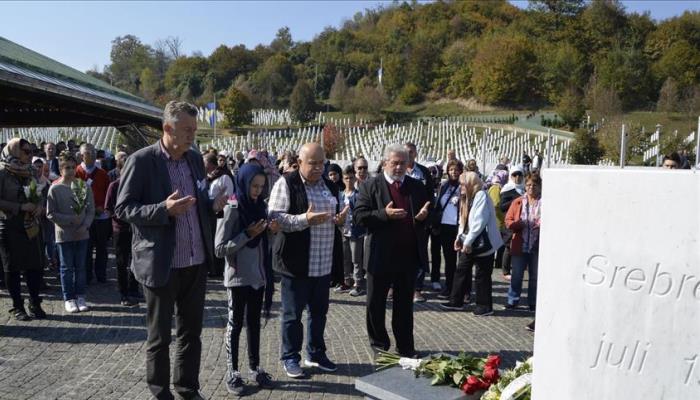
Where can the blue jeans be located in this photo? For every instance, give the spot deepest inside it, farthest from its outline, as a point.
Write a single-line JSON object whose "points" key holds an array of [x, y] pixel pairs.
{"points": [[72, 256], [297, 295], [518, 265]]}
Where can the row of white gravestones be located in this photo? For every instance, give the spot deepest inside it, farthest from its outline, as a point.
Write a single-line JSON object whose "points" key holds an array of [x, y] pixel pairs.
{"points": [[618, 306], [271, 117], [104, 137], [433, 140]]}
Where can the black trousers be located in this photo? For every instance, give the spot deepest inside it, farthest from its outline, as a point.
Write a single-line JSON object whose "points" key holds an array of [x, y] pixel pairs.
{"points": [[183, 296], [435, 257], [506, 258], [243, 301], [463, 280], [100, 231], [14, 285], [402, 279], [448, 234], [125, 277]]}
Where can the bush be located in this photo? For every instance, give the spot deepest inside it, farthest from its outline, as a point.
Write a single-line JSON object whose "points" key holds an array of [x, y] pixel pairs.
{"points": [[411, 94], [236, 107]]}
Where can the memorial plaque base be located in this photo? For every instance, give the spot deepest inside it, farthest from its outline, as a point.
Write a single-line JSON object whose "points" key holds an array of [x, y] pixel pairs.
{"points": [[399, 384]]}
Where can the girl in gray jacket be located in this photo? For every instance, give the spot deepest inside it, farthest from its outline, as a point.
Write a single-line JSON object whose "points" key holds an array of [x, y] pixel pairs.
{"points": [[242, 239]]}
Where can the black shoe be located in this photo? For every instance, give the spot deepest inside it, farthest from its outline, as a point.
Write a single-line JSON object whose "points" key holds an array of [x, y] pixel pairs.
{"points": [[482, 311], [262, 378], [235, 385], [443, 295], [20, 314], [532, 308], [127, 302], [469, 299], [509, 306], [36, 312], [451, 307], [531, 326]]}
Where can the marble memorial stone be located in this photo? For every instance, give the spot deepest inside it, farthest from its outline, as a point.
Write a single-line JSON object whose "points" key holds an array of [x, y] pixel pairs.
{"points": [[618, 307]]}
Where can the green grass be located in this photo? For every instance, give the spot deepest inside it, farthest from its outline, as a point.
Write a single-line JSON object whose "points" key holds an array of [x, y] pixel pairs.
{"points": [[670, 122]]}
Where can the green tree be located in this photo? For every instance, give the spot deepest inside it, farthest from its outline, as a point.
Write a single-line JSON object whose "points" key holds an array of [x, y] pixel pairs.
{"points": [[669, 97], [129, 58], [302, 105], [236, 108], [681, 62], [185, 77], [586, 148], [411, 94], [339, 91], [505, 70], [283, 40], [570, 108], [627, 72]]}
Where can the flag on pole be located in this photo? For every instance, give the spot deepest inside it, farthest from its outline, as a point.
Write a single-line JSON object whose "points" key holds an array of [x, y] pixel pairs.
{"points": [[211, 113], [380, 72]]}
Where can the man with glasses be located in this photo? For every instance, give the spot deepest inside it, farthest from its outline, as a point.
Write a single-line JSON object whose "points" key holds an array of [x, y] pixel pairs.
{"points": [[393, 207], [307, 208], [361, 170]]}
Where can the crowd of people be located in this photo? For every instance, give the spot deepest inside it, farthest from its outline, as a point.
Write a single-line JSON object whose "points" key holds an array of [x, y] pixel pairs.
{"points": [[175, 215]]}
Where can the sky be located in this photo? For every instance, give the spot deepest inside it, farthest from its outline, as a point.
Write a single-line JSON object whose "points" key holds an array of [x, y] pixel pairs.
{"points": [[79, 33]]}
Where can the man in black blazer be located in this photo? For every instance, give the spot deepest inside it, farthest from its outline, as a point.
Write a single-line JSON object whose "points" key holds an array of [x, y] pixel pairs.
{"points": [[422, 173], [163, 195], [393, 207]]}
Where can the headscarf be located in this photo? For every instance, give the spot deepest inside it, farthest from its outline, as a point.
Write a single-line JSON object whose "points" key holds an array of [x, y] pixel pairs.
{"points": [[336, 168], [11, 161], [499, 177], [250, 211]]}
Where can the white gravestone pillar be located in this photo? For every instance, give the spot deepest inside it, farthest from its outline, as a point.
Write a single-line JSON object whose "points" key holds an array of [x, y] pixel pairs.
{"points": [[618, 307]]}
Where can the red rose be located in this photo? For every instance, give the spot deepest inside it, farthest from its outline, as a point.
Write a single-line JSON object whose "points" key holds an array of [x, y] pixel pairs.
{"points": [[483, 385], [490, 374], [471, 385], [493, 361]]}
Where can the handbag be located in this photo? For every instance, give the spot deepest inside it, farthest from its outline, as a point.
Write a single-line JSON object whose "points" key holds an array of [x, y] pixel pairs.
{"points": [[481, 244]]}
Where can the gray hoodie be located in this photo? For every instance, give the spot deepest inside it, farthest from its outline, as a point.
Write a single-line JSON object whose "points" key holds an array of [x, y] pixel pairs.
{"points": [[244, 265]]}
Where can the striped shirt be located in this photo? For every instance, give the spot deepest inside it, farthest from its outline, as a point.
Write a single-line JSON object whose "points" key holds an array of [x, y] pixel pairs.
{"points": [[189, 246], [322, 235]]}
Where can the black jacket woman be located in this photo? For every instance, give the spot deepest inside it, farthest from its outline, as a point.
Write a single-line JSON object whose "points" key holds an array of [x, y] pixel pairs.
{"points": [[20, 244]]}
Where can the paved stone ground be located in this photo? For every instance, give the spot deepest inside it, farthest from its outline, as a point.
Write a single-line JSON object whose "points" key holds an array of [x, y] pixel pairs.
{"points": [[100, 354]]}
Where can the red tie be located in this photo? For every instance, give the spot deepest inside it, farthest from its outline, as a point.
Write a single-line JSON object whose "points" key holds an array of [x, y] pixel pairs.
{"points": [[397, 185]]}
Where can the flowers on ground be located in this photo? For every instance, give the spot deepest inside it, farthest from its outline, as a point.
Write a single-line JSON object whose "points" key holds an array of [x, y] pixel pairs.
{"points": [[468, 373], [513, 385]]}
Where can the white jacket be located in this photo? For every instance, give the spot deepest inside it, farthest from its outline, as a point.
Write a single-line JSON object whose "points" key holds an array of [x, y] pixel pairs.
{"points": [[482, 216]]}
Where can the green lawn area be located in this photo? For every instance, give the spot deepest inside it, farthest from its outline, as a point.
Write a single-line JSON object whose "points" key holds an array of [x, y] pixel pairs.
{"points": [[683, 123]]}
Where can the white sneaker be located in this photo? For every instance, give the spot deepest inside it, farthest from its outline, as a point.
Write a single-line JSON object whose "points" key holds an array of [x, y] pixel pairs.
{"points": [[71, 307], [82, 306], [437, 286]]}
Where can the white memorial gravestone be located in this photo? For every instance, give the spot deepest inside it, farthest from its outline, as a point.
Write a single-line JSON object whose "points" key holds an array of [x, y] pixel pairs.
{"points": [[618, 308]]}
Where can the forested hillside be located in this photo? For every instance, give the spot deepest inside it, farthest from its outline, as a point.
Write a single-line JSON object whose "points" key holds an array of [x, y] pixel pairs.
{"points": [[570, 54]]}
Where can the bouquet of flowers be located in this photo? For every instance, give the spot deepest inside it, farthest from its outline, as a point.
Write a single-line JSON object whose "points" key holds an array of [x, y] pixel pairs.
{"points": [[515, 384], [80, 192], [468, 373], [31, 192]]}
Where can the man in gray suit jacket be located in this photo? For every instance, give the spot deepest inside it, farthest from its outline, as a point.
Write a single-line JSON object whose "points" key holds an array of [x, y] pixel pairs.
{"points": [[163, 195]]}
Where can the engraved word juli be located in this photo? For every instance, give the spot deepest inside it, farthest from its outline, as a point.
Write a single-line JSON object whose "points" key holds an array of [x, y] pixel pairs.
{"points": [[621, 357]]}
